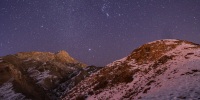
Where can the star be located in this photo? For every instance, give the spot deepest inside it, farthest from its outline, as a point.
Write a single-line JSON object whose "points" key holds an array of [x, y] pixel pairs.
{"points": [[107, 15]]}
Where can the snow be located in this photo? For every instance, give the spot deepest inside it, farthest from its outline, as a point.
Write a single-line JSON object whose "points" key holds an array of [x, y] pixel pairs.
{"points": [[27, 60], [87, 68], [7, 92], [79, 72], [167, 41], [114, 93], [179, 86], [72, 68], [44, 63], [170, 41], [40, 76]]}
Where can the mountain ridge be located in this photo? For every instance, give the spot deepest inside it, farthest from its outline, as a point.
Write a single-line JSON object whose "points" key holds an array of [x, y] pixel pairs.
{"points": [[159, 70]]}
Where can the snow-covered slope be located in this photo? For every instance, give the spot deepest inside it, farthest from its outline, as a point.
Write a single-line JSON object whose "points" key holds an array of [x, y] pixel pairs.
{"points": [[7, 92], [161, 70]]}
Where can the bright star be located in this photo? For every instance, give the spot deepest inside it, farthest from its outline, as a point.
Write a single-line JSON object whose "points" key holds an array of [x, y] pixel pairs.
{"points": [[107, 15]]}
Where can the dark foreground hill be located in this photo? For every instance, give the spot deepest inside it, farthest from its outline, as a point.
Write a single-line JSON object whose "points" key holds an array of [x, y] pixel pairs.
{"points": [[160, 70], [40, 75]]}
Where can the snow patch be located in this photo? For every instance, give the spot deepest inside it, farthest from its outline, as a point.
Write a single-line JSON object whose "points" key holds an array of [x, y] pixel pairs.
{"points": [[181, 86], [27, 59], [170, 41], [7, 92], [40, 76]]}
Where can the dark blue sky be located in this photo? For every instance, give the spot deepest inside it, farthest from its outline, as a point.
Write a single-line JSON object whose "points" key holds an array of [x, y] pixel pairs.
{"points": [[96, 32]]}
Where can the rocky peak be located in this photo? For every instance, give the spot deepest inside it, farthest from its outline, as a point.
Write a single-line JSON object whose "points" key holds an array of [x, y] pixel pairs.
{"points": [[63, 52], [61, 56], [39, 75], [154, 50], [64, 57]]}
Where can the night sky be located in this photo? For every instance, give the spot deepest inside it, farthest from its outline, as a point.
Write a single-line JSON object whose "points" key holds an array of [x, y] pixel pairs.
{"points": [[95, 32]]}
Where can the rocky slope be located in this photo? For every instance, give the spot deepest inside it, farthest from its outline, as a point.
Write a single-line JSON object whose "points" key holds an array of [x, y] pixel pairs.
{"points": [[40, 75], [160, 70]]}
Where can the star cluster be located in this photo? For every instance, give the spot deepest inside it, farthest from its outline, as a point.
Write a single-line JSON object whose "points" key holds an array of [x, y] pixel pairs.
{"points": [[94, 31]]}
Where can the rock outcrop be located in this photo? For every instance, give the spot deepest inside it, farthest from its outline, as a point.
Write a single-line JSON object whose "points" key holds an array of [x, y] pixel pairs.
{"points": [[40, 75]]}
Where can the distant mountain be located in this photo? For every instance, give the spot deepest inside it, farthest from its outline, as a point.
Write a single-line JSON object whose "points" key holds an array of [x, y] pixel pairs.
{"points": [[160, 70], [40, 75]]}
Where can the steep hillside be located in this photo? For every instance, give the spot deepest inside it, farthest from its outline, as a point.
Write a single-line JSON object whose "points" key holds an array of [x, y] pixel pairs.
{"points": [[160, 70], [40, 75]]}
